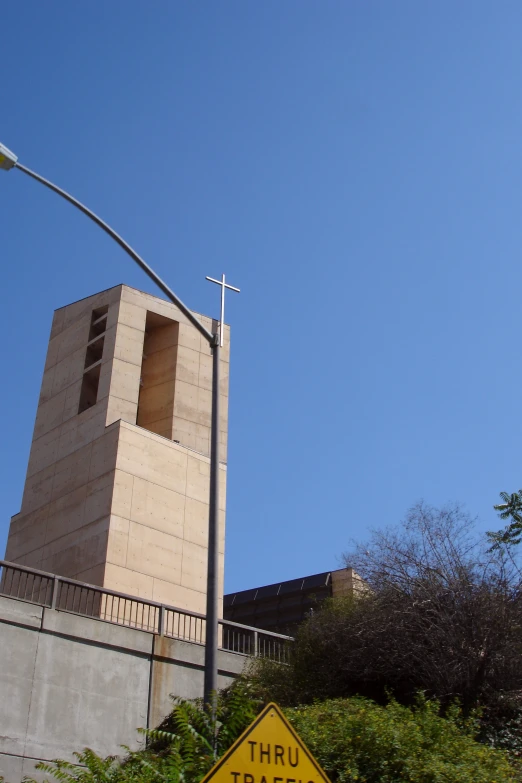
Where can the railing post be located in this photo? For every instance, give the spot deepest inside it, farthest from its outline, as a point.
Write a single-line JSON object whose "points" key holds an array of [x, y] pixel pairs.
{"points": [[256, 644], [161, 621], [54, 594]]}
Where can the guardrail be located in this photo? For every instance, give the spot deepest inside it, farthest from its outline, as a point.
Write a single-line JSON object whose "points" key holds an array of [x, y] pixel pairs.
{"points": [[69, 595]]}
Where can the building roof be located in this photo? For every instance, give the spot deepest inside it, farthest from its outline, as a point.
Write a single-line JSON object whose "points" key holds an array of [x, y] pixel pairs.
{"points": [[281, 606]]}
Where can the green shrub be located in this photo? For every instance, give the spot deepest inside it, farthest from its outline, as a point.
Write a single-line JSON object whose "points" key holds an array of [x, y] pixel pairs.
{"points": [[357, 740], [353, 739], [501, 727]]}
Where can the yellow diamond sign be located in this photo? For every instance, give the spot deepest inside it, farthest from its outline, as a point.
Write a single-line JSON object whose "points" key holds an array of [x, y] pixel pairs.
{"points": [[269, 751]]}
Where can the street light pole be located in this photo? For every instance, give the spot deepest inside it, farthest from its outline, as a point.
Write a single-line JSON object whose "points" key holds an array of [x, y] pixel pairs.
{"points": [[211, 625], [8, 160], [210, 689]]}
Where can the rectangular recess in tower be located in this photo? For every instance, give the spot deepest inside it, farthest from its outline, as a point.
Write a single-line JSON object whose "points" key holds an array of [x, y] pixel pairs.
{"points": [[93, 357], [158, 375]]}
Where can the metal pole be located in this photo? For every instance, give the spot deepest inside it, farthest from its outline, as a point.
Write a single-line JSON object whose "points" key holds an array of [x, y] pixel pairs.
{"points": [[211, 641], [222, 319]]}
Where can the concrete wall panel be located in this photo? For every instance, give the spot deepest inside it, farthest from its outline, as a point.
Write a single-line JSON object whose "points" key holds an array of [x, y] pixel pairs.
{"points": [[11, 767], [85, 695], [69, 682], [18, 652]]}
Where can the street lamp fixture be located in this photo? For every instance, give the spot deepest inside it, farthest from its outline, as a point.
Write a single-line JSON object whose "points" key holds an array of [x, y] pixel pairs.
{"points": [[8, 160]]}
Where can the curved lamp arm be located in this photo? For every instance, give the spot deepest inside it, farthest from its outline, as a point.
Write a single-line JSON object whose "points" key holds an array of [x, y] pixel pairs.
{"points": [[211, 338]]}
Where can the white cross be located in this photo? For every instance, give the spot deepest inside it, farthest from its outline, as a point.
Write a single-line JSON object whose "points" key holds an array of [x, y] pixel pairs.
{"points": [[223, 286]]}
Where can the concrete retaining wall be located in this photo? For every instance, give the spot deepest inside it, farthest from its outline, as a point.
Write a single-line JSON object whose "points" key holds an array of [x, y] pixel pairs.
{"points": [[69, 682]]}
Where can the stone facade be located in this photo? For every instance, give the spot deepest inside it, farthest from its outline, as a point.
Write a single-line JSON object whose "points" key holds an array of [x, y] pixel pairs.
{"points": [[117, 485]]}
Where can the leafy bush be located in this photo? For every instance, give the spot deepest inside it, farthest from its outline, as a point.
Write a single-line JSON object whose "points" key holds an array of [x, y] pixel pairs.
{"points": [[501, 727], [353, 739], [358, 740]]}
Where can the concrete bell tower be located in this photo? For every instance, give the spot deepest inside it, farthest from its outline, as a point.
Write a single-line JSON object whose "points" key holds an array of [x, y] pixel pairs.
{"points": [[117, 485]]}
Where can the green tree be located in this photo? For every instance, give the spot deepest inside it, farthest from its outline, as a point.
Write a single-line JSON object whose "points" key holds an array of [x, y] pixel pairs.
{"points": [[510, 508], [441, 615]]}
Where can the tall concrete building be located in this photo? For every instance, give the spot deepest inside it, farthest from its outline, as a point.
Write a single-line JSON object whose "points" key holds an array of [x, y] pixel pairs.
{"points": [[117, 486]]}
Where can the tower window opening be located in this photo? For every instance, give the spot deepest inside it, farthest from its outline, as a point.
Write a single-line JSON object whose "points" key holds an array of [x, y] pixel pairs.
{"points": [[94, 352], [158, 370], [89, 391], [93, 357]]}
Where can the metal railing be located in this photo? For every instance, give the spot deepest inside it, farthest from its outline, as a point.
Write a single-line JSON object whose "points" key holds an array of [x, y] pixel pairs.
{"points": [[69, 595]]}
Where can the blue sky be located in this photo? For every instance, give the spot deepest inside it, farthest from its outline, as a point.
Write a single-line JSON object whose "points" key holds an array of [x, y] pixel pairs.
{"points": [[355, 168]]}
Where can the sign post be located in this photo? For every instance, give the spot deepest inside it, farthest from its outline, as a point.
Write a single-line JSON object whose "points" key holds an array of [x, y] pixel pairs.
{"points": [[268, 751]]}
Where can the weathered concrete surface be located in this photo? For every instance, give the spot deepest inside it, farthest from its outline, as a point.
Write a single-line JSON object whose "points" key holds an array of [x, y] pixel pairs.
{"points": [[11, 767], [69, 682], [81, 685], [18, 648], [178, 669], [16, 768]]}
